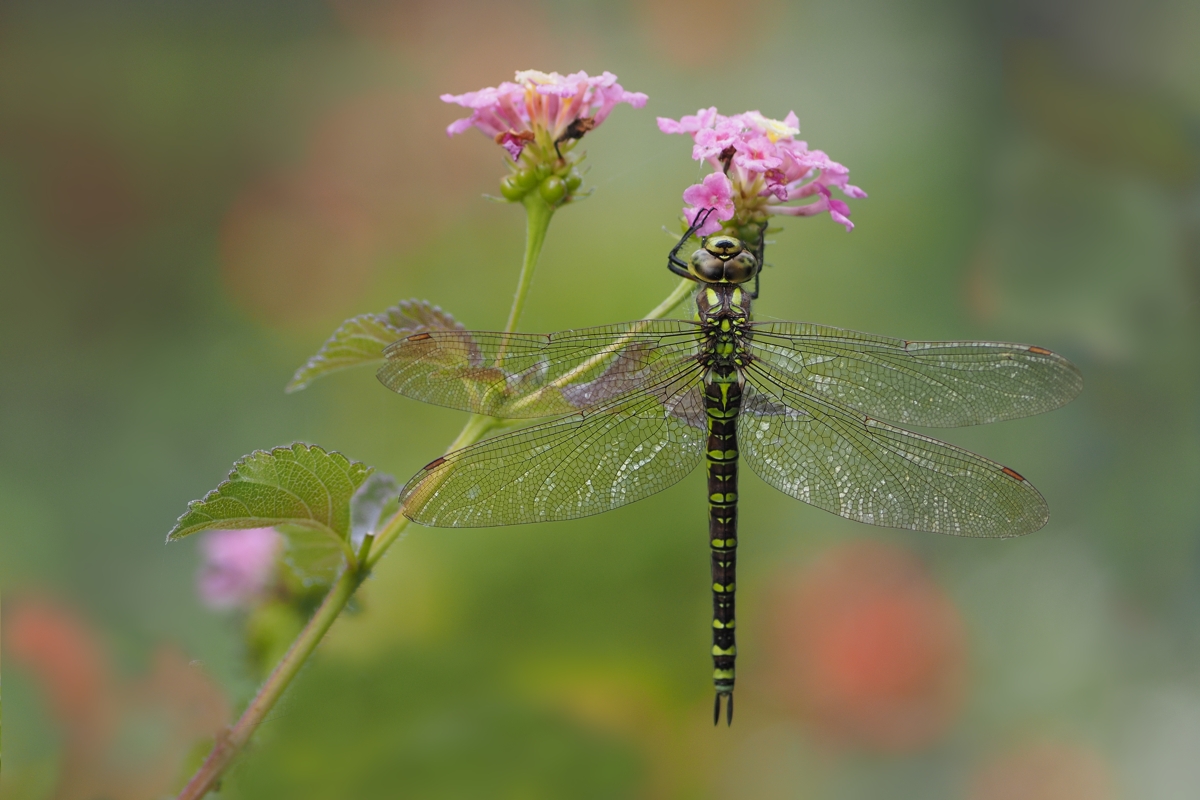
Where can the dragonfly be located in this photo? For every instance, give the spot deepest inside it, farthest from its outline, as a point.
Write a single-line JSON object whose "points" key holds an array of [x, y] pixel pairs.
{"points": [[813, 410]]}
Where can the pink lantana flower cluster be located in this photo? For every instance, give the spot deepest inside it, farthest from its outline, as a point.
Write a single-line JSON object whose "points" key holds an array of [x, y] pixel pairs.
{"points": [[539, 118], [761, 170], [239, 566]]}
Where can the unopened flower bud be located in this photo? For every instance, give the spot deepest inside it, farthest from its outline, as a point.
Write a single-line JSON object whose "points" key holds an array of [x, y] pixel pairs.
{"points": [[526, 178], [553, 189], [511, 189]]}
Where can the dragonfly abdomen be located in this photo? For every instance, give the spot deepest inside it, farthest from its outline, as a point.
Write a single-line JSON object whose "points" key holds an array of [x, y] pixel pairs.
{"points": [[722, 400]]}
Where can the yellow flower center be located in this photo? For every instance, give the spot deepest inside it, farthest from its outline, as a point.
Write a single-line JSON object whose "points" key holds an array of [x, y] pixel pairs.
{"points": [[775, 129]]}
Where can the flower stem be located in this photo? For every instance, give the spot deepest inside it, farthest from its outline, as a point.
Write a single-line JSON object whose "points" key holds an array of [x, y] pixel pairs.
{"points": [[537, 222], [232, 741], [476, 428], [686, 287]]}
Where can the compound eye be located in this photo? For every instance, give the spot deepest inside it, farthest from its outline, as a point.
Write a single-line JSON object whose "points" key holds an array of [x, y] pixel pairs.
{"points": [[722, 246], [707, 267], [741, 268]]}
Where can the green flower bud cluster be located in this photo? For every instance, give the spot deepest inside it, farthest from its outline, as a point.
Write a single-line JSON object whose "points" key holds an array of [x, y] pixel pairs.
{"points": [[748, 232], [557, 182]]}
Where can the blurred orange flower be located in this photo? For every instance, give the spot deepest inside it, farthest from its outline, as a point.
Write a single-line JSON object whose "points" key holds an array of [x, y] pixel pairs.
{"points": [[121, 740], [869, 649]]}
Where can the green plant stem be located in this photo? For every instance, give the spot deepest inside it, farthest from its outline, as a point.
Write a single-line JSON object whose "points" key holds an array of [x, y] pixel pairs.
{"points": [[685, 287], [232, 741], [476, 428], [537, 222]]}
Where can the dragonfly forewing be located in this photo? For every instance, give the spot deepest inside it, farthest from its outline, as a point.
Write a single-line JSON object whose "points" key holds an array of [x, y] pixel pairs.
{"points": [[934, 384], [522, 376]]}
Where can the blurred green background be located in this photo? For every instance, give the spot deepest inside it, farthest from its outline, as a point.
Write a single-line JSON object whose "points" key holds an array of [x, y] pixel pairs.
{"points": [[193, 195]]}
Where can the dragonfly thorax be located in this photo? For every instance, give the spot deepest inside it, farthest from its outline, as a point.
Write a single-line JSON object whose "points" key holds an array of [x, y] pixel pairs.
{"points": [[724, 312], [723, 259]]}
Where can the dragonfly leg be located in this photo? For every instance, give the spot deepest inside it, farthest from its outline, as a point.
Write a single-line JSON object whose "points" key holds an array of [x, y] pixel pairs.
{"points": [[674, 262], [761, 249], [759, 252]]}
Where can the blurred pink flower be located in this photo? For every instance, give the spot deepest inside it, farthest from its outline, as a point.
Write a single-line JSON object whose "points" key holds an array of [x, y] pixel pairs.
{"points": [[766, 166], [548, 109], [238, 566]]}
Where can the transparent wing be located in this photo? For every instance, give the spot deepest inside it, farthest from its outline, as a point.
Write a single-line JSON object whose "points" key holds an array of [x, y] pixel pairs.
{"points": [[862, 469], [522, 375], [619, 451], [937, 384]]}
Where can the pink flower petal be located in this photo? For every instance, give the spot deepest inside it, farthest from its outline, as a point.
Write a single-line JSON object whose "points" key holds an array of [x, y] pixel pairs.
{"points": [[776, 184], [460, 126], [668, 125], [715, 190], [711, 225], [710, 142], [513, 143], [704, 118]]}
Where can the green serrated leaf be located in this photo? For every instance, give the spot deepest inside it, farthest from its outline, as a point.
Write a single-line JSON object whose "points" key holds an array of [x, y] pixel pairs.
{"points": [[312, 557], [298, 485], [361, 340]]}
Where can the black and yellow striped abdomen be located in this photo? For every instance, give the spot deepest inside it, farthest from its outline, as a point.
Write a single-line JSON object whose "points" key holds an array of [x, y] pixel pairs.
{"points": [[722, 399], [724, 310]]}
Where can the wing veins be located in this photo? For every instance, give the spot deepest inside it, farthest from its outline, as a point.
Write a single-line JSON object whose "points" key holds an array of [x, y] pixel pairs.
{"points": [[933, 384], [627, 409], [785, 389], [968, 477]]}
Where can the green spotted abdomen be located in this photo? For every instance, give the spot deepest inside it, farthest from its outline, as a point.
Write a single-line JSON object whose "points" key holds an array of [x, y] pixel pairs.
{"points": [[722, 400]]}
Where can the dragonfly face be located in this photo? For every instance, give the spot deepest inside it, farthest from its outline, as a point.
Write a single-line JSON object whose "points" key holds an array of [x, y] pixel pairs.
{"points": [[723, 259], [808, 408]]}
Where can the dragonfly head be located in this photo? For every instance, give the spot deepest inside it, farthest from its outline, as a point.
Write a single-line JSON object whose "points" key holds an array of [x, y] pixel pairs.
{"points": [[723, 259]]}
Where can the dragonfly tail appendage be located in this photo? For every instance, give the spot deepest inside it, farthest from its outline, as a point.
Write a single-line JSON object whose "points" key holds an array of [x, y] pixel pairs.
{"points": [[722, 398]]}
